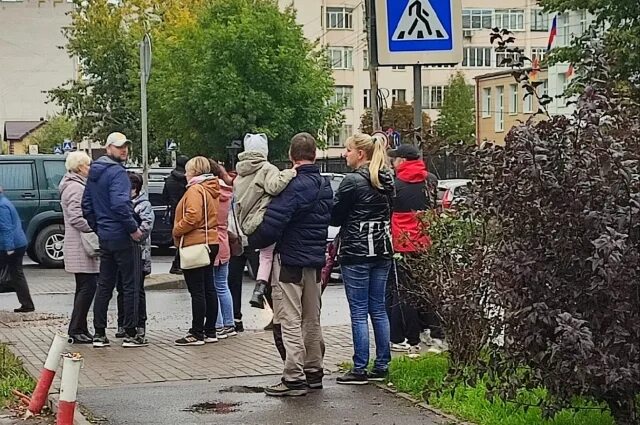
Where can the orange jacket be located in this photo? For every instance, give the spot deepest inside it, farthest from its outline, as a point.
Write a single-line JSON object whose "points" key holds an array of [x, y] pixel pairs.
{"points": [[190, 215]]}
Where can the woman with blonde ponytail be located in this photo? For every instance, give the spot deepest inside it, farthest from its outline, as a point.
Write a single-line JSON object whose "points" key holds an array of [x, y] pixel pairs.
{"points": [[362, 208]]}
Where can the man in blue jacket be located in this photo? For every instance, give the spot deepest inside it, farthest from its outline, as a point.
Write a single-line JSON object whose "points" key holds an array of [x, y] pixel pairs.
{"points": [[13, 245], [297, 221], [107, 206]]}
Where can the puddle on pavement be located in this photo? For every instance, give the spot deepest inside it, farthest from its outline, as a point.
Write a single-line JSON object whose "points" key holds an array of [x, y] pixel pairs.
{"points": [[218, 407], [242, 389]]}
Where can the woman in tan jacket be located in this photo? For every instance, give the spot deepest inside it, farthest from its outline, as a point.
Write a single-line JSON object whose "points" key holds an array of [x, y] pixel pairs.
{"points": [[195, 224]]}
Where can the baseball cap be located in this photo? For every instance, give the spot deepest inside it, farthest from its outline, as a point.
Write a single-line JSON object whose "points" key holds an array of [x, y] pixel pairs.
{"points": [[117, 139], [404, 151]]}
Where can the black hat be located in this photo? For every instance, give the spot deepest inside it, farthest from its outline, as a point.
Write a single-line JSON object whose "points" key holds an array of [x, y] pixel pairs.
{"points": [[404, 151]]}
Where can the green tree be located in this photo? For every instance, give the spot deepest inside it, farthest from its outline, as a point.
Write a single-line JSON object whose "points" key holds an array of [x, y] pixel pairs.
{"points": [[52, 133], [243, 66], [616, 24], [399, 117], [457, 120]]}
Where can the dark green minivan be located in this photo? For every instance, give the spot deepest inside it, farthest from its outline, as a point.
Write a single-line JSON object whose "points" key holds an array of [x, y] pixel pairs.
{"points": [[31, 183]]}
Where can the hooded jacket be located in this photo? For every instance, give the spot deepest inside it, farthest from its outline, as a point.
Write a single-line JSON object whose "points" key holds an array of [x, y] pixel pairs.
{"points": [[146, 219], [411, 199], [76, 260], [257, 182], [12, 236], [364, 213], [191, 217], [106, 203], [224, 252], [175, 185], [297, 220]]}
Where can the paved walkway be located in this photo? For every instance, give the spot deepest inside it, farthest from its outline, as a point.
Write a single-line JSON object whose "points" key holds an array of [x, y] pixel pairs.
{"points": [[248, 354]]}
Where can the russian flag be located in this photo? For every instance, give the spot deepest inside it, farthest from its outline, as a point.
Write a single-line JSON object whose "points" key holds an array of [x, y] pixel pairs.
{"points": [[553, 33]]}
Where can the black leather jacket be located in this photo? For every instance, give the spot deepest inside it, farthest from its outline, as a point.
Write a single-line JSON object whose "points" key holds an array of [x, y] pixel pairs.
{"points": [[364, 213]]}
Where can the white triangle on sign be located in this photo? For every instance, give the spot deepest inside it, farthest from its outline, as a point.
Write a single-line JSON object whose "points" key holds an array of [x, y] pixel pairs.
{"points": [[419, 22]]}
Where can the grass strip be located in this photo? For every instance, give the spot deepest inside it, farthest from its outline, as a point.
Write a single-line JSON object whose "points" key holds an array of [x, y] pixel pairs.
{"points": [[12, 376]]}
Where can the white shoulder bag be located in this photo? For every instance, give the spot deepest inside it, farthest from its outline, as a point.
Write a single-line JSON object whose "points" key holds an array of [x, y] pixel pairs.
{"points": [[195, 256]]}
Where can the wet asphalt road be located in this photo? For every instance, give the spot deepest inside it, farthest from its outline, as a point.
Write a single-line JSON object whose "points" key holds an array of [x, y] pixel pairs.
{"points": [[233, 402]]}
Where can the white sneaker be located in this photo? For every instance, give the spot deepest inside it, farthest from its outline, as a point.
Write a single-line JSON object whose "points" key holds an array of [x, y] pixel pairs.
{"points": [[220, 333], [403, 347], [414, 352], [210, 339], [425, 337], [438, 346]]}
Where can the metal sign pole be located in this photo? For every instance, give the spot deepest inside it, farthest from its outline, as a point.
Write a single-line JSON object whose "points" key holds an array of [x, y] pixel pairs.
{"points": [[145, 70], [417, 105], [373, 63]]}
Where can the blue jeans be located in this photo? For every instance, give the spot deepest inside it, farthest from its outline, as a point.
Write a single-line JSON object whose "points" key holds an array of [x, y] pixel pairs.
{"points": [[365, 287], [225, 312]]}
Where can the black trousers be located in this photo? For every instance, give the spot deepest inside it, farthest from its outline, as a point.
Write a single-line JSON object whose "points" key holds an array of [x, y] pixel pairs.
{"points": [[122, 258], [18, 280], [142, 304], [85, 291], [236, 273], [404, 319], [204, 298]]}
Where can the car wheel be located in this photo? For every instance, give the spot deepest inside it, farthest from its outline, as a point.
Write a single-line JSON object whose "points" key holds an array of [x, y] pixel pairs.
{"points": [[32, 255], [48, 247]]}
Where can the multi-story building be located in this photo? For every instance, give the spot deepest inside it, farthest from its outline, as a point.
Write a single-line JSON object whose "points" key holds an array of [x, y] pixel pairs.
{"points": [[31, 61], [339, 26]]}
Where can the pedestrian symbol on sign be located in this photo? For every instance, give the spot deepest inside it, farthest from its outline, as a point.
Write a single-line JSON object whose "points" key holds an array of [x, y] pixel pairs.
{"points": [[419, 22]]}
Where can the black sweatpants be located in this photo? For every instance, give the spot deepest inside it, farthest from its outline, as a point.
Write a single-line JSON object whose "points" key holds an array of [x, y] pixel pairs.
{"points": [[204, 298], [403, 318], [85, 291], [18, 280], [118, 258]]}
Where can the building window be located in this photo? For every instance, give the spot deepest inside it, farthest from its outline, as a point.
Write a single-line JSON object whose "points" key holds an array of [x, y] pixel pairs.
{"points": [[501, 56], [564, 34], [341, 57], [486, 102], [365, 59], [339, 138], [344, 96], [398, 67], [563, 82], [475, 19], [476, 57], [528, 104], [399, 96], [539, 20], [545, 87], [511, 19], [584, 23], [500, 108], [339, 18], [367, 98], [433, 96], [538, 53], [513, 99]]}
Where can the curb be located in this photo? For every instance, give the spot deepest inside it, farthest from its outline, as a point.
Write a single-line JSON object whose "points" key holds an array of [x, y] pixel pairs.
{"points": [[78, 417], [424, 405], [164, 281]]}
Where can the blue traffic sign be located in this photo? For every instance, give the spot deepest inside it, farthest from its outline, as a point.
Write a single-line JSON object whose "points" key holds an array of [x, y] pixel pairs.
{"points": [[67, 145], [418, 31]]}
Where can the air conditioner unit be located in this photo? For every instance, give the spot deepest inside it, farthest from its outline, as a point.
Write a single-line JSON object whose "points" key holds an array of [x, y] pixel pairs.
{"points": [[467, 33]]}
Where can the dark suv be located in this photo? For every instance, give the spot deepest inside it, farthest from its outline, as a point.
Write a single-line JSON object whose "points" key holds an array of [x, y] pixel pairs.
{"points": [[31, 183]]}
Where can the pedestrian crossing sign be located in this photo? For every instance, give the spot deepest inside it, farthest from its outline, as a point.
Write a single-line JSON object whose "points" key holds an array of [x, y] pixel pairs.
{"points": [[418, 31]]}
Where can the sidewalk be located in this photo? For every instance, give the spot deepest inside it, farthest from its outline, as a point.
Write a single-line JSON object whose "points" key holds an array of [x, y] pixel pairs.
{"points": [[248, 354]]}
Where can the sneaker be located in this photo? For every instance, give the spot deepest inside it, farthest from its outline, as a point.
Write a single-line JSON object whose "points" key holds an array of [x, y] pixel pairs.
{"points": [[220, 333], [135, 341], [314, 382], [425, 338], [402, 347], [121, 333], [211, 338], [238, 325], [353, 378], [100, 341], [175, 270], [80, 339], [438, 346], [281, 390], [227, 331], [24, 309], [378, 375], [189, 340], [414, 352], [141, 331]]}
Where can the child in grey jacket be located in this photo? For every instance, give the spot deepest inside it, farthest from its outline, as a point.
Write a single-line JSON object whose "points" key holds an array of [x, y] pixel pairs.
{"points": [[258, 181]]}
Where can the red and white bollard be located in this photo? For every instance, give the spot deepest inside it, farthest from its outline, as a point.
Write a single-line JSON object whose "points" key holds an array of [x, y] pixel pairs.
{"points": [[39, 397], [71, 364]]}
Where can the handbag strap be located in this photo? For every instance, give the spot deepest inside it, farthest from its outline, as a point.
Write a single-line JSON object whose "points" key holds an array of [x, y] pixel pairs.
{"points": [[206, 219]]}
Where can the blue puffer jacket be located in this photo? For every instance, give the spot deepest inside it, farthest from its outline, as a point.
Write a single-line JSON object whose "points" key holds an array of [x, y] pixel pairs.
{"points": [[106, 203], [297, 220], [11, 235]]}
